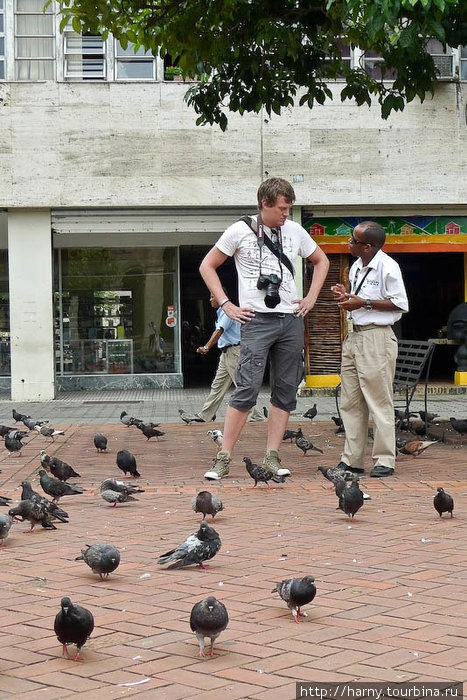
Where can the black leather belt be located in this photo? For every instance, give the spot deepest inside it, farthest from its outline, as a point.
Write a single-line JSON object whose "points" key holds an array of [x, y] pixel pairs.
{"points": [[226, 347]]}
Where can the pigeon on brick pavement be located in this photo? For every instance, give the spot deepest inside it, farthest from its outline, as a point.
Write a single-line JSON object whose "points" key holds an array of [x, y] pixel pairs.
{"points": [[115, 497], [189, 417], [208, 618], [260, 474], [196, 549], [6, 522], [304, 444], [35, 513], [149, 430], [56, 488], [61, 470], [351, 498], [126, 461], [443, 502], [28, 494], [311, 412], [101, 558], [120, 486], [206, 503], [100, 442], [73, 625], [296, 592]]}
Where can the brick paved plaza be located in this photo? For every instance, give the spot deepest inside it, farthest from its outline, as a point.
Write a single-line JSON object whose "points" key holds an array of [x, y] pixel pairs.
{"points": [[391, 602]]}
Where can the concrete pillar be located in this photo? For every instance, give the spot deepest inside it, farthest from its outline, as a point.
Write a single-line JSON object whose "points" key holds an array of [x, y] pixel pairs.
{"points": [[31, 305]]}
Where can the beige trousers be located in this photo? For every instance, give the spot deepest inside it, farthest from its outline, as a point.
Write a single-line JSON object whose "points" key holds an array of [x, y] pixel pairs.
{"points": [[367, 373], [223, 379]]}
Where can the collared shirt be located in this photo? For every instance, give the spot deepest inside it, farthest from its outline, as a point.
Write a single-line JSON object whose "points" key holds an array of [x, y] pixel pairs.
{"points": [[383, 281], [231, 328]]}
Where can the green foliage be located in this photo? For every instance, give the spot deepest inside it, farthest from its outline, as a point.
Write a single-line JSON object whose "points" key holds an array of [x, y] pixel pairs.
{"points": [[262, 54]]}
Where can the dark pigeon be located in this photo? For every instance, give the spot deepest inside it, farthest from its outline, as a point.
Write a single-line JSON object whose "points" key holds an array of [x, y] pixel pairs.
{"points": [[5, 429], [28, 494], [35, 513], [428, 417], [115, 497], [13, 441], [291, 434], [259, 474], [149, 430], [207, 504], [333, 473], [120, 486], [208, 619], [304, 444], [61, 470], [6, 522], [101, 558], [100, 442], [56, 488], [459, 425], [296, 592], [197, 548], [189, 417], [73, 625], [127, 463], [19, 416], [50, 432], [5, 501], [351, 498], [443, 502], [311, 413]]}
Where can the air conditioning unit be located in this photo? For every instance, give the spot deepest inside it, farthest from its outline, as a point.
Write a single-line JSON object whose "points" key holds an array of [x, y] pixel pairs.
{"points": [[444, 64]]}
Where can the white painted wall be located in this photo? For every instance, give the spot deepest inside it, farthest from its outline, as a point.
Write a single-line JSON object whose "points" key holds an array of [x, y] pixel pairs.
{"points": [[31, 306], [136, 145]]}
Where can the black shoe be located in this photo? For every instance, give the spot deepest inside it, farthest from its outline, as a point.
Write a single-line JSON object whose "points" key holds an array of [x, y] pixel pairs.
{"points": [[381, 470], [354, 470]]}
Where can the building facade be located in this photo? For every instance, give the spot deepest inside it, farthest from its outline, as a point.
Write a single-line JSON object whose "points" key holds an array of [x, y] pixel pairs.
{"points": [[111, 195]]}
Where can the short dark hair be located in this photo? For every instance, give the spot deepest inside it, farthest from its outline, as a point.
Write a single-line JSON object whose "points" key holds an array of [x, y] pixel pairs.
{"points": [[275, 187], [374, 233]]}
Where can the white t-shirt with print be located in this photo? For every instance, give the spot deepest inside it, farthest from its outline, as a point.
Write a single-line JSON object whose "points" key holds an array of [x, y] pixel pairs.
{"points": [[241, 243]]}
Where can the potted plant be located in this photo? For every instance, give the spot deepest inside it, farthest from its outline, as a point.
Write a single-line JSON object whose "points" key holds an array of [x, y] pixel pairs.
{"points": [[173, 73]]}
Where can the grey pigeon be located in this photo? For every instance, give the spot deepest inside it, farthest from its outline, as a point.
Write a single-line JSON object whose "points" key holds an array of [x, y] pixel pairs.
{"points": [[61, 470], [19, 416], [296, 592], [27, 494], [5, 501], [149, 429], [13, 442], [35, 513], [311, 413], [351, 498], [208, 619], [260, 474], [115, 497], [127, 463], [304, 444], [217, 436], [459, 425], [126, 419], [333, 473], [50, 432], [189, 417], [443, 502], [55, 488], [428, 417], [291, 434], [196, 549], [32, 424], [101, 558], [100, 442], [120, 486], [206, 503], [5, 429], [73, 625], [6, 522]]}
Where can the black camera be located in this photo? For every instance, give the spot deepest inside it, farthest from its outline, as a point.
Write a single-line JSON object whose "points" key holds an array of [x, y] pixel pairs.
{"points": [[271, 284]]}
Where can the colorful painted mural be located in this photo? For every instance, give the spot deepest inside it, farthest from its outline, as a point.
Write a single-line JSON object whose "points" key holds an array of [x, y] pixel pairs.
{"points": [[397, 226]]}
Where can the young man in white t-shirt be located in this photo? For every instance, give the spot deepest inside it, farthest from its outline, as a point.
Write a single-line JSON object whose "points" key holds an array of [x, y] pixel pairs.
{"points": [[270, 313]]}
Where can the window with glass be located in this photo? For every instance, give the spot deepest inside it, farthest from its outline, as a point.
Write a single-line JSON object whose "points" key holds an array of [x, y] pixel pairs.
{"points": [[131, 65], [373, 64], [84, 56], [463, 62], [115, 311], [34, 40]]}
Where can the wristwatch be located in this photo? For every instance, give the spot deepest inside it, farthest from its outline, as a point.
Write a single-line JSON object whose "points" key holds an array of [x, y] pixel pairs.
{"points": [[368, 305]]}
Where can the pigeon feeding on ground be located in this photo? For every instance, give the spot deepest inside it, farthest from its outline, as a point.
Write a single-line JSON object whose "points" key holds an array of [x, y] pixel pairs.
{"points": [[126, 419], [127, 463], [120, 487], [304, 444], [291, 434], [73, 625], [56, 488], [414, 447], [149, 430], [32, 424], [333, 473], [115, 497], [61, 470], [35, 513], [19, 416], [459, 425], [6, 522], [260, 474], [189, 417], [5, 429], [49, 432], [443, 502], [206, 503], [296, 592], [351, 498], [217, 436], [101, 558], [311, 413], [13, 441], [28, 494], [100, 442], [428, 417], [196, 549], [208, 619], [339, 423]]}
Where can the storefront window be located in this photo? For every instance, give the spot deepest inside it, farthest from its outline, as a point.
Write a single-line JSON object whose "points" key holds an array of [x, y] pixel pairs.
{"points": [[115, 311]]}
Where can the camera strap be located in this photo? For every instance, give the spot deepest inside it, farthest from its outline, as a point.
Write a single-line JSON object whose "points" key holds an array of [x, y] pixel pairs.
{"points": [[263, 238]]}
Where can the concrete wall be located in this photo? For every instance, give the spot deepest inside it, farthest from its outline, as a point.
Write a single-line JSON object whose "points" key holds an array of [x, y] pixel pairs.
{"points": [[136, 144]]}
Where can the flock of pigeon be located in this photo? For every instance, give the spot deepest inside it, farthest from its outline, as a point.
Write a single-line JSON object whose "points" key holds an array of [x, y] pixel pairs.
{"points": [[74, 623]]}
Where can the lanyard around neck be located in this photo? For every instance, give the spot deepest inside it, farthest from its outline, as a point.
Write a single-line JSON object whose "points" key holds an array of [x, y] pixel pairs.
{"points": [[357, 289]]}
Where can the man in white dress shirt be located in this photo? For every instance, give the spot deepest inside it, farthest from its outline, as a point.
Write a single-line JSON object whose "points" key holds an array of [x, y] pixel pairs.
{"points": [[377, 299]]}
